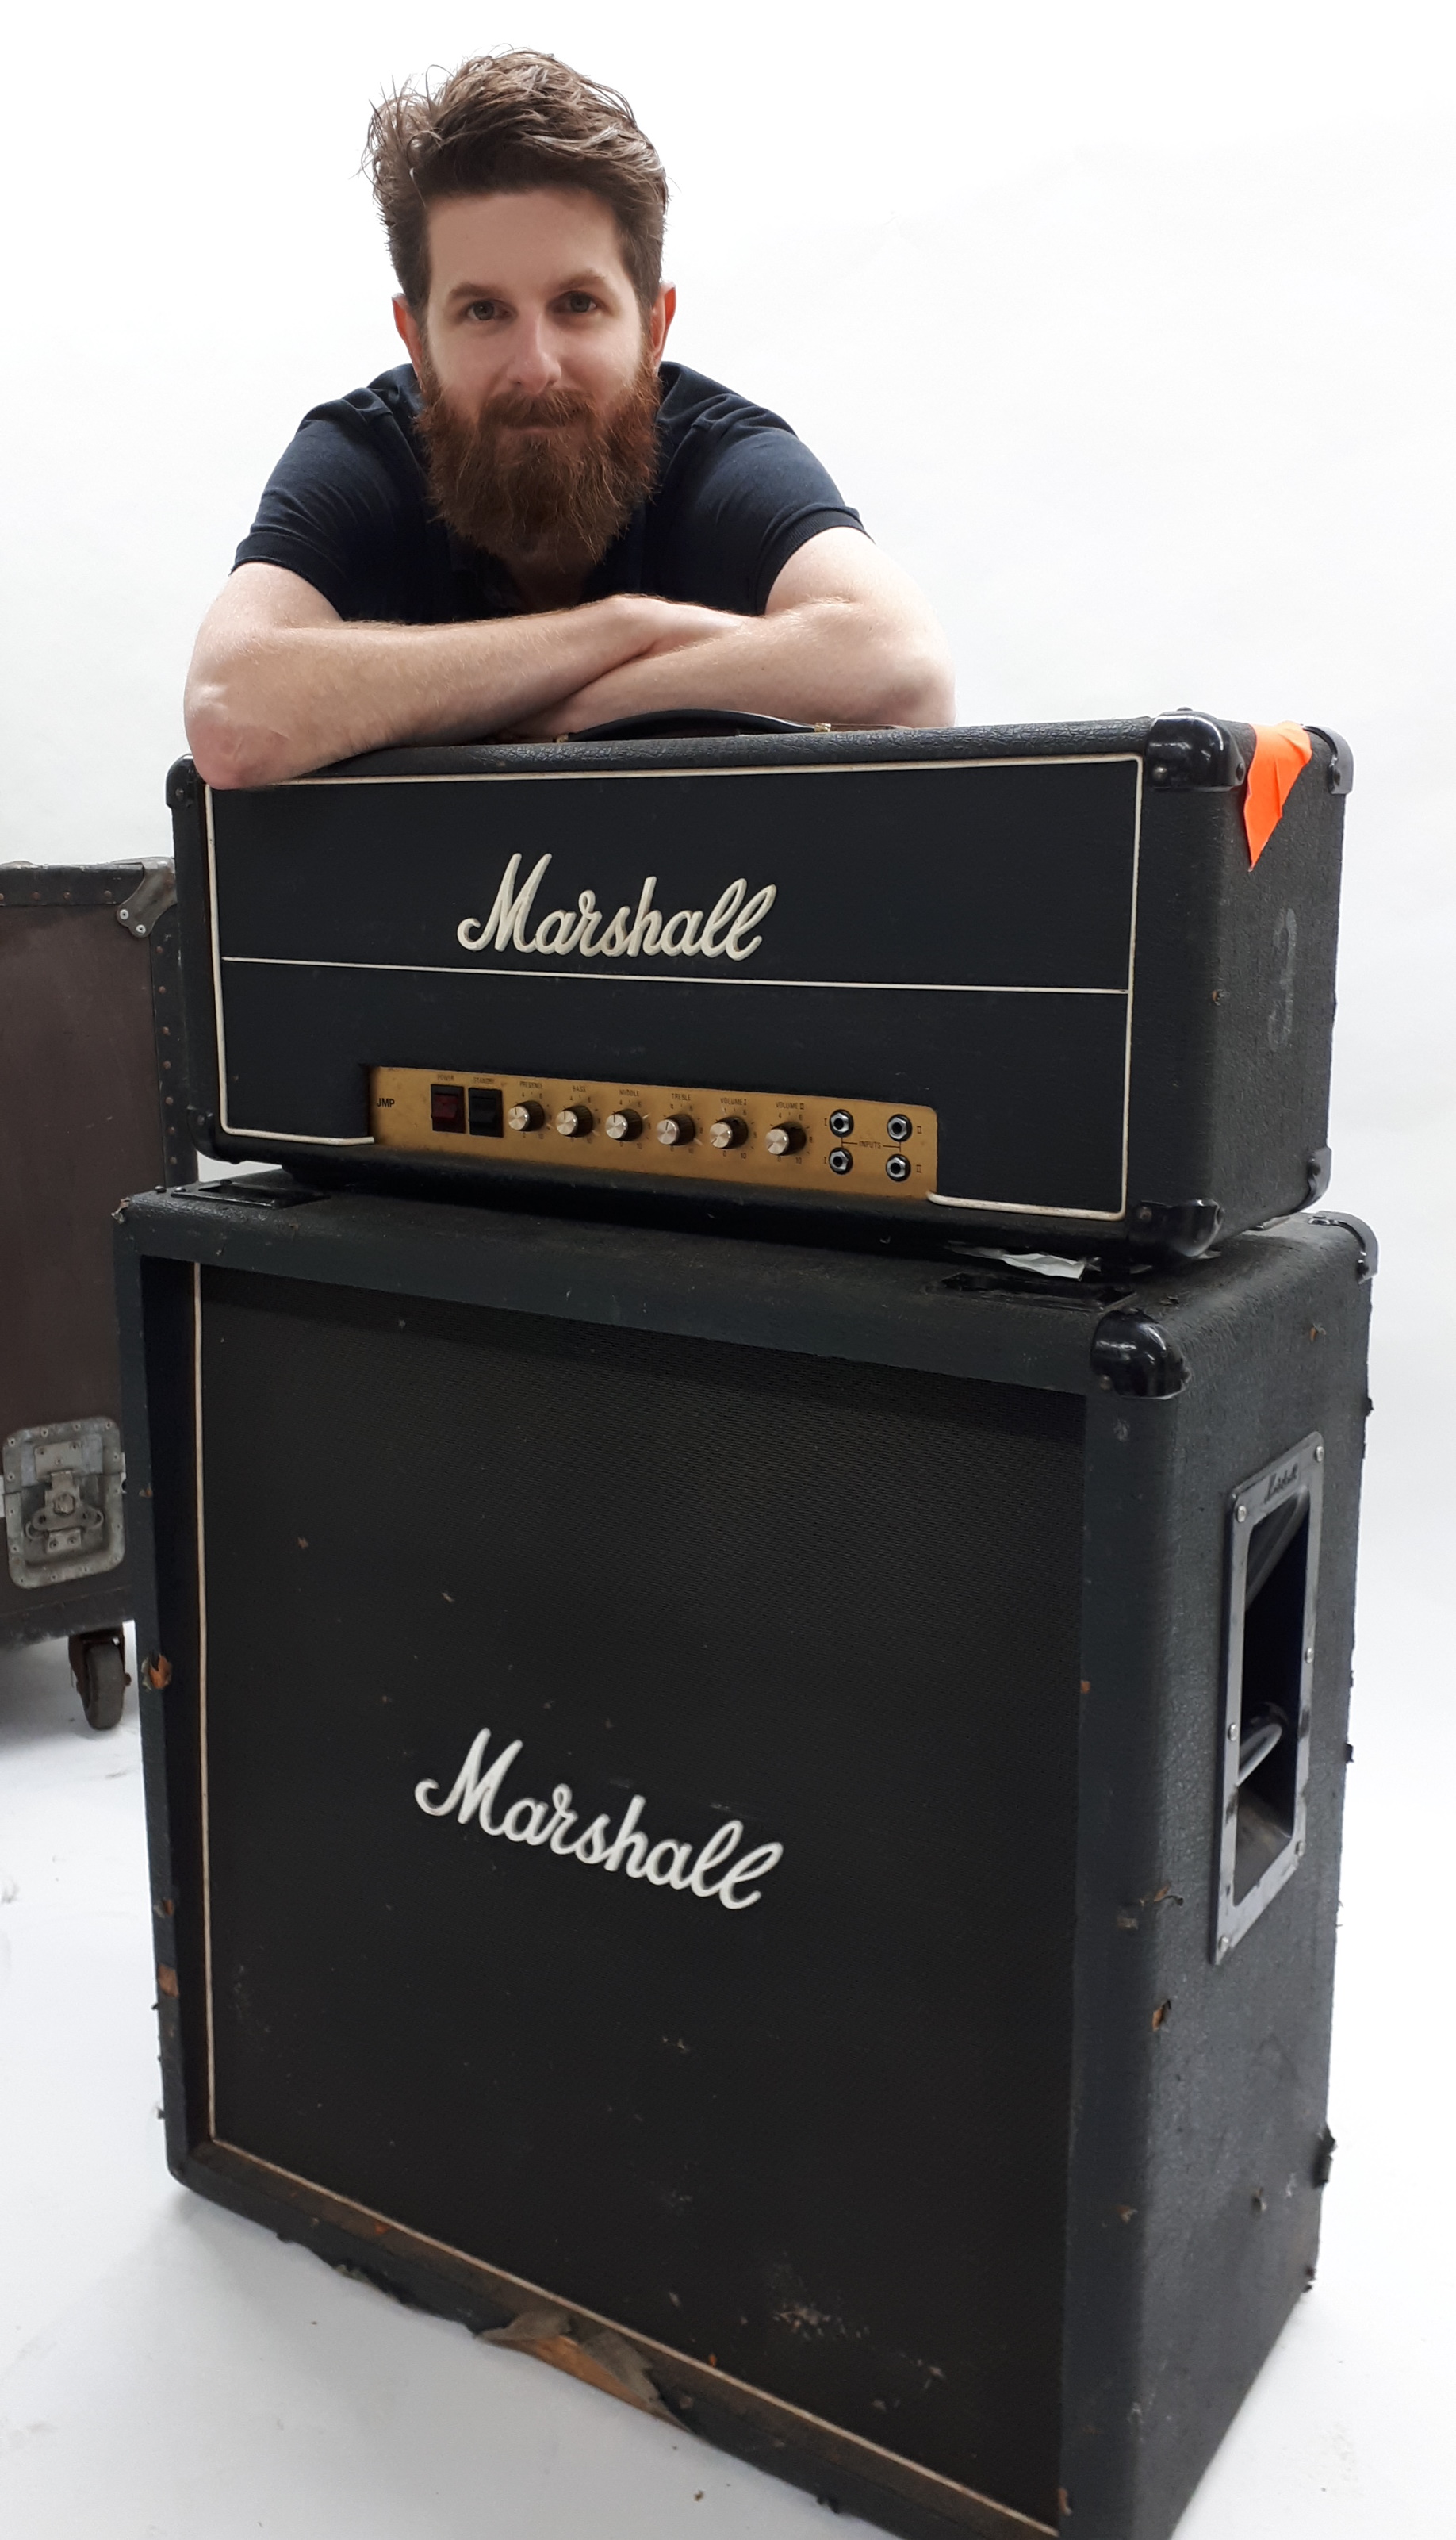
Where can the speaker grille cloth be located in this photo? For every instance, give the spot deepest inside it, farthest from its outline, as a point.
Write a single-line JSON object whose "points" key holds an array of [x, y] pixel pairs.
{"points": [[823, 2139]]}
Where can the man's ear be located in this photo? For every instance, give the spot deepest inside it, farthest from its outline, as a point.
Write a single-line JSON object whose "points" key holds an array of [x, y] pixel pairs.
{"points": [[663, 310], [413, 342]]}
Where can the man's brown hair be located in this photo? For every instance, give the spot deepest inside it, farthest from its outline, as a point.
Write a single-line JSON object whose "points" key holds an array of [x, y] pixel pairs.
{"points": [[504, 124]]}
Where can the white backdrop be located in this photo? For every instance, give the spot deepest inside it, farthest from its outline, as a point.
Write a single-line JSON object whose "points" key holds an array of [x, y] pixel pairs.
{"points": [[1129, 329]]}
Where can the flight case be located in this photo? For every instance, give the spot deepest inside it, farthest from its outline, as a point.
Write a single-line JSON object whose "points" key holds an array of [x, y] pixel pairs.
{"points": [[92, 1107]]}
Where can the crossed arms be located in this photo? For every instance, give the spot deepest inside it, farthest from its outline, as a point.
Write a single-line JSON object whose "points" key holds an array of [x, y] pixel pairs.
{"points": [[280, 683]]}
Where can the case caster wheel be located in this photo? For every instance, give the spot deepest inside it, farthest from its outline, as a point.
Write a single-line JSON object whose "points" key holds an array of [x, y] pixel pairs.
{"points": [[98, 1670]]}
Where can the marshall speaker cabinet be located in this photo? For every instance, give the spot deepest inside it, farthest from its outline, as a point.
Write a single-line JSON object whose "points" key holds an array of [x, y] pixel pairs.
{"points": [[760, 1820], [91, 1105], [1074, 981]]}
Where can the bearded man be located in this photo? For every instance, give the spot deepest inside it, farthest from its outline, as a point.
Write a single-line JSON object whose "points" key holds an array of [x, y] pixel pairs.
{"points": [[540, 524]]}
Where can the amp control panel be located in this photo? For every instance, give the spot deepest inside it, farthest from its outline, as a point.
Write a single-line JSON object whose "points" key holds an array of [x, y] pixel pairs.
{"points": [[803, 1141]]}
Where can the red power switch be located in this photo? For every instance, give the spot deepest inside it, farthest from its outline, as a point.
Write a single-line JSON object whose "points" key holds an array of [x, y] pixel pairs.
{"points": [[447, 1106]]}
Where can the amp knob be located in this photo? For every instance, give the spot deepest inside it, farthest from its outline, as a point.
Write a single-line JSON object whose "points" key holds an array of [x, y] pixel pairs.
{"points": [[525, 1115], [785, 1138], [727, 1133], [678, 1130], [575, 1121], [623, 1125]]}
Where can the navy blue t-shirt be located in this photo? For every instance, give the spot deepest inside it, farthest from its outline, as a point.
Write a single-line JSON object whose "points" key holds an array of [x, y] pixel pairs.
{"points": [[348, 509]]}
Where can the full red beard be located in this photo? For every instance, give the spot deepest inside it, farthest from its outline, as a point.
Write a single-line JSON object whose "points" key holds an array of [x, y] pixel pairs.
{"points": [[554, 499]]}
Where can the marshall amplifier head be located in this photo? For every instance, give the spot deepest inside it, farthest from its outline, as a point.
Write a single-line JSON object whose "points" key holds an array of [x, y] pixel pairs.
{"points": [[1071, 981], [760, 1820]]}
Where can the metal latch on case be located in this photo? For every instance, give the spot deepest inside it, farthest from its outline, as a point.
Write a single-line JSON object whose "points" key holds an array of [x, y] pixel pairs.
{"points": [[63, 1486]]}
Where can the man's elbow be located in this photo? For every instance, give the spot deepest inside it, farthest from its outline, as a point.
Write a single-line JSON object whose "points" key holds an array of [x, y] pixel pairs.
{"points": [[889, 667], [916, 679], [231, 746]]}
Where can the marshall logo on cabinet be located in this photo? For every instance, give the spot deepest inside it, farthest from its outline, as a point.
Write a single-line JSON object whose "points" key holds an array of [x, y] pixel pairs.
{"points": [[587, 931], [737, 964], [661, 1861]]}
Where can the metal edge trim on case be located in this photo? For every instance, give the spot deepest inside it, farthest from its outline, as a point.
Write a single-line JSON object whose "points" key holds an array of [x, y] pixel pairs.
{"points": [[153, 896], [764, 2400], [179, 1155]]}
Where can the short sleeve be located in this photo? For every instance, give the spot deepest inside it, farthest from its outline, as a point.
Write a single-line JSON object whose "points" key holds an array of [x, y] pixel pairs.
{"points": [[335, 511], [753, 494]]}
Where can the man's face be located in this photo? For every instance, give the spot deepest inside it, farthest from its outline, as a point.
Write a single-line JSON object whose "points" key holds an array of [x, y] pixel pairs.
{"points": [[528, 294], [538, 373]]}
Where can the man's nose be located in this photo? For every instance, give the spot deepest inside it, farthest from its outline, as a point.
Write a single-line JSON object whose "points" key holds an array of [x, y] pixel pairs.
{"points": [[535, 365]]}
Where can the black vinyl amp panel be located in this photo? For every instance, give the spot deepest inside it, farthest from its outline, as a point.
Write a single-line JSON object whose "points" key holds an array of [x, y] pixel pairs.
{"points": [[761, 1822], [1019, 979]]}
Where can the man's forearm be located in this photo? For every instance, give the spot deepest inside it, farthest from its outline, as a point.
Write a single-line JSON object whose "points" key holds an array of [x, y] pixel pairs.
{"points": [[276, 700], [828, 662]]}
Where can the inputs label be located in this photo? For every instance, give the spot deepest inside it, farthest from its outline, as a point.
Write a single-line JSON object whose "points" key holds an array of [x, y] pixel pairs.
{"points": [[852, 1145]]}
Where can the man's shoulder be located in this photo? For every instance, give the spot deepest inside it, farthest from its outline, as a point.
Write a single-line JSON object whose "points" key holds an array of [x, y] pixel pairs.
{"points": [[347, 509], [695, 408], [738, 493], [380, 417]]}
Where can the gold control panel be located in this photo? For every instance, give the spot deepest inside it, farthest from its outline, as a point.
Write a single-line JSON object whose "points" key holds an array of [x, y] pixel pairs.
{"points": [[795, 1142]]}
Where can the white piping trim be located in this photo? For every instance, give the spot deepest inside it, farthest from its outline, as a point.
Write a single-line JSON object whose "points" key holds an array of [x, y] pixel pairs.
{"points": [[1034, 1208], [1132, 972], [634, 775], [660, 978]]}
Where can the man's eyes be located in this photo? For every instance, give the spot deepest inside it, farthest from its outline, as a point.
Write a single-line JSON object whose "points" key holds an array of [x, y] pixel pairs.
{"points": [[573, 304]]}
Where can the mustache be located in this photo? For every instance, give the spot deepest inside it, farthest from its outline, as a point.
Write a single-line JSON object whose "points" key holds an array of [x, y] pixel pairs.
{"points": [[521, 414]]}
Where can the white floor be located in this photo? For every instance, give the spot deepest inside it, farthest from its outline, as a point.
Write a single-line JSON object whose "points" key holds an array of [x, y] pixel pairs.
{"points": [[167, 2373]]}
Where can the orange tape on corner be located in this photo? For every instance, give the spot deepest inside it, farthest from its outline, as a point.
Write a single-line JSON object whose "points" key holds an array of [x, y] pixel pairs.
{"points": [[1281, 750]]}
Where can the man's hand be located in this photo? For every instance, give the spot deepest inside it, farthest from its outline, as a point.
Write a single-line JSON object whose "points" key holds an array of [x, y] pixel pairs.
{"points": [[846, 639]]}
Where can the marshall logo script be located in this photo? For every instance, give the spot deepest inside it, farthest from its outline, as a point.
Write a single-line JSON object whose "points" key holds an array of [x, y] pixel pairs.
{"points": [[706, 1872], [722, 931]]}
